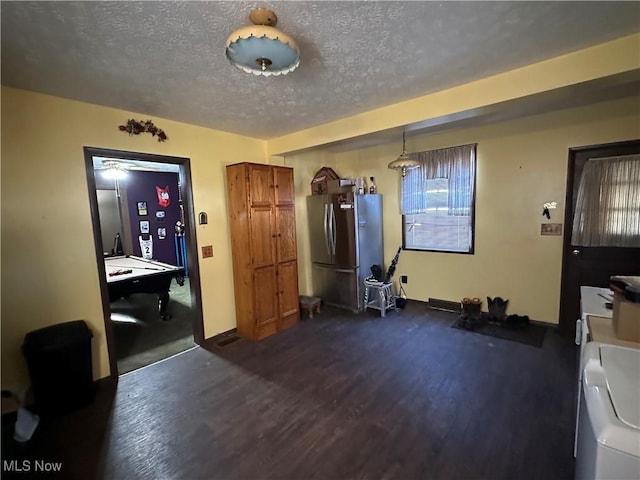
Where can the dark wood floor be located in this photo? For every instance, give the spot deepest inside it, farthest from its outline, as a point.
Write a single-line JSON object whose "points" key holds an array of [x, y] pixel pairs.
{"points": [[340, 396]]}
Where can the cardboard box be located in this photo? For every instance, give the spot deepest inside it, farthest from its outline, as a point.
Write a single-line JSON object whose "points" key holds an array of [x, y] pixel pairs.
{"points": [[626, 317], [339, 186]]}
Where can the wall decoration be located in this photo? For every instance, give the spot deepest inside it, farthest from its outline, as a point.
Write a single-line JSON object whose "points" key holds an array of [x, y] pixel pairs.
{"points": [[144, 226], [548, 206], [134, 127], [180, 242], [163, 196], [141, 187], [146, 247], [162, 233], [142, 208]]}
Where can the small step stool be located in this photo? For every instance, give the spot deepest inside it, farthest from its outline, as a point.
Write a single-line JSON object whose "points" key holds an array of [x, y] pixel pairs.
{"points": [[379, 295], [310, 304]]}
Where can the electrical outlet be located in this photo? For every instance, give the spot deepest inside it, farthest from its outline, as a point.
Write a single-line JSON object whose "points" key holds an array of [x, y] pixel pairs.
{"points": [[404, 279], [207, 251]]}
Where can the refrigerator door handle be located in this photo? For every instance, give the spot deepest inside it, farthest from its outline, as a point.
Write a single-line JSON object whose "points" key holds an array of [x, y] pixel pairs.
{"points": [[333, 230], [326, 226]]}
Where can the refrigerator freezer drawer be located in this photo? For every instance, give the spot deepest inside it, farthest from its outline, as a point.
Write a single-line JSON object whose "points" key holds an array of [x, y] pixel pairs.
{"points": [[337, 286]]}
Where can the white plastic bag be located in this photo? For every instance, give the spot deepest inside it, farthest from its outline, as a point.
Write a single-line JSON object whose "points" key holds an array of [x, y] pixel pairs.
{"points": [[25, 425]]}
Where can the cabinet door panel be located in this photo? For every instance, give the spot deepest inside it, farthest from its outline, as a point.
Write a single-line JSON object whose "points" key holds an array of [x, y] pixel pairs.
{"points": [[260, 185], [286, 234], [264, 330], [262, 237], [284, 186], [265, 295], [288, 288]]}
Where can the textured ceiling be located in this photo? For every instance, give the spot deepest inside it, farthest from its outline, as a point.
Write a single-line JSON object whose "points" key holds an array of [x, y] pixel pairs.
{"points": [[166, 59]]}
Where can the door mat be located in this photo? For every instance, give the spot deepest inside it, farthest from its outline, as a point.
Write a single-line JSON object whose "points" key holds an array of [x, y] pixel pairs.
{"points": [[532, 334]]}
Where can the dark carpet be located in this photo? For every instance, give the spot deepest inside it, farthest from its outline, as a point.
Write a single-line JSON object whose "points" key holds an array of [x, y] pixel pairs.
{"points": [[142, 338], [532, 334]]}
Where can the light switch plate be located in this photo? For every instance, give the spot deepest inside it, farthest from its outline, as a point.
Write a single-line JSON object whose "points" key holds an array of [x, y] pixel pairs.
{"points": [[551, 229], [207, 251]]}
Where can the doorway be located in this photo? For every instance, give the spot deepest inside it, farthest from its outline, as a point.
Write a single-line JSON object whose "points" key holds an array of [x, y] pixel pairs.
{"points": [[142, 211], [590, 266]]}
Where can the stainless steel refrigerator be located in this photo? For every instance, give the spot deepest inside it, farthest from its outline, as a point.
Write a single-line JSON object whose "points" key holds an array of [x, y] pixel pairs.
{"points": [[346, 240]]}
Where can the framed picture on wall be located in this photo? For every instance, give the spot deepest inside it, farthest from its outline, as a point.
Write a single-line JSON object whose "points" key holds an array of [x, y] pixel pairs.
{"points": [[144, 226], [142, 208]]}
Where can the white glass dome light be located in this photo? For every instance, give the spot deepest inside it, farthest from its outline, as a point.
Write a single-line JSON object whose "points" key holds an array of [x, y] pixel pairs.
{"points": [[262, 49]]}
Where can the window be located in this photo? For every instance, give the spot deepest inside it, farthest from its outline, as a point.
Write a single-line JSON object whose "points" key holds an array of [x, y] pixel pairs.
{"points": [[608, 203], [438, 201]]}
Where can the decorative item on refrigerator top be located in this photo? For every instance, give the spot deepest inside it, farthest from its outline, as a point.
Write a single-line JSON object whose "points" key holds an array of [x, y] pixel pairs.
{"points": [[341, 185], [373, 188], [319, 184]]}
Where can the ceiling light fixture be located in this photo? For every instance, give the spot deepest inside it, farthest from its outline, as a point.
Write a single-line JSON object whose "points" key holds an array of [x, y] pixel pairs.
{"points": [[262, 49], [403, 162], [114, 171]]}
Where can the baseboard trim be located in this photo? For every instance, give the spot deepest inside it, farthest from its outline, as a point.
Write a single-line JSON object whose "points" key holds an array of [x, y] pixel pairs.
{"points": [[444, 305], [221, 340]]}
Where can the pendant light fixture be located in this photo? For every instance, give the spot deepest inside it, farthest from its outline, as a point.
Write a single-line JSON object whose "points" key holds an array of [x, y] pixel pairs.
{"points": [[262, 49], [403, 162]]}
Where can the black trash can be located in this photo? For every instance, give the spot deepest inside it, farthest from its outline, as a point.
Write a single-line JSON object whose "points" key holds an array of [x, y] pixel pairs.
{"points": [[60, 366]]}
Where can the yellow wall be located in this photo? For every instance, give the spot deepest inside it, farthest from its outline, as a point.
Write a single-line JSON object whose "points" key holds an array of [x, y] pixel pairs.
{"points": [[49, 272], [521, 165]]}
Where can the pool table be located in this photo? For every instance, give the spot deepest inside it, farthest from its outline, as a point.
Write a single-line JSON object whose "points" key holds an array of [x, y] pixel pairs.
{"points": [[128, 274]]}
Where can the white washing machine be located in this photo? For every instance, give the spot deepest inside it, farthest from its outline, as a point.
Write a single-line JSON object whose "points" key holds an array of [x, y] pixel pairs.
{"points": [[609, 417]]}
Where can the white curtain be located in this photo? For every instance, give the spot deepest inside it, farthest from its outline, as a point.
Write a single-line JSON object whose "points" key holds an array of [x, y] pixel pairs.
{"points": [[457, 164], [608, 203]]}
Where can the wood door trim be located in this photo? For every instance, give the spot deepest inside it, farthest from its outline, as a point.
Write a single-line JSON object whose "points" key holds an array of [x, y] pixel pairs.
{"points": [[190, 231], [606, 149]]}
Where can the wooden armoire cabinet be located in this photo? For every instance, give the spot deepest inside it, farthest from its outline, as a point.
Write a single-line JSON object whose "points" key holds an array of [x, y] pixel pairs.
{"points": [[263, 244]]}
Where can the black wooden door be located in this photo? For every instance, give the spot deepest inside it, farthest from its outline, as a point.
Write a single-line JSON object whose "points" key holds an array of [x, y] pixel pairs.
{"points": [[590, 266]]}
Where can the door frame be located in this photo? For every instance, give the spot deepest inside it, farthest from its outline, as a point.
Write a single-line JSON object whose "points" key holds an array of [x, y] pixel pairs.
{"points": [[190, 233], [567, 325]]}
